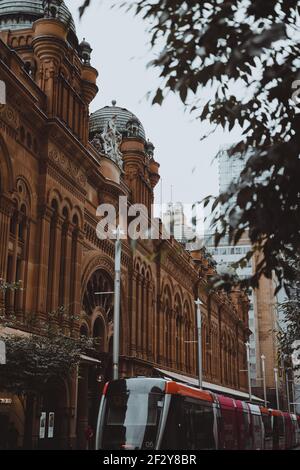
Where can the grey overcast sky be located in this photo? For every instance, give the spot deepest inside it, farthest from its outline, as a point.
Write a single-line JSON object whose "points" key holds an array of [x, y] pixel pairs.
{"points": [[121, 52]]}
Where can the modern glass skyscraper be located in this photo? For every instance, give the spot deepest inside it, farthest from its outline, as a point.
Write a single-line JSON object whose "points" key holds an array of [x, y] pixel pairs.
{"points": [[262, 303]]}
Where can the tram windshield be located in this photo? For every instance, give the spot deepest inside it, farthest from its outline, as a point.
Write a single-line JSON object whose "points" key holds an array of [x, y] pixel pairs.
{"points": [[131, 419]]}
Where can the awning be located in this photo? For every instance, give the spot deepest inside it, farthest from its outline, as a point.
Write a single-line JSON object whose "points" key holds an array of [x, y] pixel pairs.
{"points": [[209, 386], [89, 359]]}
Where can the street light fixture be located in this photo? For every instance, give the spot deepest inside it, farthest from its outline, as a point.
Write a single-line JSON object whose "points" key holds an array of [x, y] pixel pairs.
{"points": [[287, 388], [198, 304], [117, 290], [248, 368]]}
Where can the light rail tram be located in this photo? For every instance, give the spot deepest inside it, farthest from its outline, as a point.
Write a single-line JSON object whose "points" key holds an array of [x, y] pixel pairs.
{"points": [[155, 413]]}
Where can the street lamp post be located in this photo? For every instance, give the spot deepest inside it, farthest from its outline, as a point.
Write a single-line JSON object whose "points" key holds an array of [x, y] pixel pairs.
{"points": [[276, 386], [117, 290], [248, 368], [263, 368], [199, 333], [287, 389]]}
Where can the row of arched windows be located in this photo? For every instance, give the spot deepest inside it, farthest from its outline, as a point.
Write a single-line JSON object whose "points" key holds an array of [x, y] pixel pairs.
{"points": [[18, 246], [143, 304], [62, 265], [176, 333]]}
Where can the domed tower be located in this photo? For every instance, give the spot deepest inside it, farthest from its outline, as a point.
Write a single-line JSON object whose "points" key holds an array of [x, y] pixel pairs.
{"points": [[141, 172], [43, 34], [16, 15]]}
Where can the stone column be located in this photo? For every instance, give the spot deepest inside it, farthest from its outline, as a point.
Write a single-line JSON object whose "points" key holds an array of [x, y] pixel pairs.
{"points": [[67, 274], [167, 336], [144, 318], [182, 339], [139, 316], [12, 293], [24, 260], [173, 342], [75, 294], [6, 208], [43, 265], [133, 315], [150, 328]]}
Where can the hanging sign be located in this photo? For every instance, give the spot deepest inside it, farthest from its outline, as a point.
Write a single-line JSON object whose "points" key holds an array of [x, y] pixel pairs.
{"points": [[42, 425], [51, 425]]}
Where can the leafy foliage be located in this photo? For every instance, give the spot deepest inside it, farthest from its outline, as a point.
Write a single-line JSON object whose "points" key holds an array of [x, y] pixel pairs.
{"points": [[84, 6], [289, 337], [244, 57], [39, 351], [5, 286], [32, 360]]}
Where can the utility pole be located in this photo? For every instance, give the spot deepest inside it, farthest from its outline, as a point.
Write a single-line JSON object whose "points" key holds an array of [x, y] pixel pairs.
{"points": [[117, 291], [276, 387], [287, 389], [263, 368], [248, 368], [198, 303]]}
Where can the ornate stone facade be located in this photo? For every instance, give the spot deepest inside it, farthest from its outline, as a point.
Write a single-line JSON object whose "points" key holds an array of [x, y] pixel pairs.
{"points": [[51, 182]]}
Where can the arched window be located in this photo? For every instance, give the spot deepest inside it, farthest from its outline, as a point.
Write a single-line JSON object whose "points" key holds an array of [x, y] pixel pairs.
{"points": [[178, 332], [22, 223], [13, 221], [17, 260], [96, 294], [98, 301], [163, 327]]}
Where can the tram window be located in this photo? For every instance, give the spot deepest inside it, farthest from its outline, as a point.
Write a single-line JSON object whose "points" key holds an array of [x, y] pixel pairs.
{"points": [[246, 422], [197, 426], [257, 431], [229, 428], [256, 423], [118, 403], [131, 420], [247, 429], [267, 426]]}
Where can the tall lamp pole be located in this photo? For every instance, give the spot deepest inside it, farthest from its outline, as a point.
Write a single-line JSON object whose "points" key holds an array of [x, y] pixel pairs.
{"points": [[287, 382], [116, 338], [276, 386], [248, 368], [263, 368], [198, 304]]}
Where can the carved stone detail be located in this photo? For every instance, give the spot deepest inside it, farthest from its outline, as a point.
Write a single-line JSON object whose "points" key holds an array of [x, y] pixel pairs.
{"points": [[68, 166], [10, 116]]}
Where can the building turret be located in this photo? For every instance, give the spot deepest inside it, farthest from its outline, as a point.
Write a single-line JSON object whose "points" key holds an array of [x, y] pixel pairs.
{"points": [[141, 172], [44, 36]]}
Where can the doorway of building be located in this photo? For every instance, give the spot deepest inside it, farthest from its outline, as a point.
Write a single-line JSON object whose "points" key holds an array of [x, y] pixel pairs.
{"points": [[54, 419]]}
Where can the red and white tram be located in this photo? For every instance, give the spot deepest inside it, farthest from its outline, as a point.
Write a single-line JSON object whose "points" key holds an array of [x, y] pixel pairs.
{"points": [[154, 413]]}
